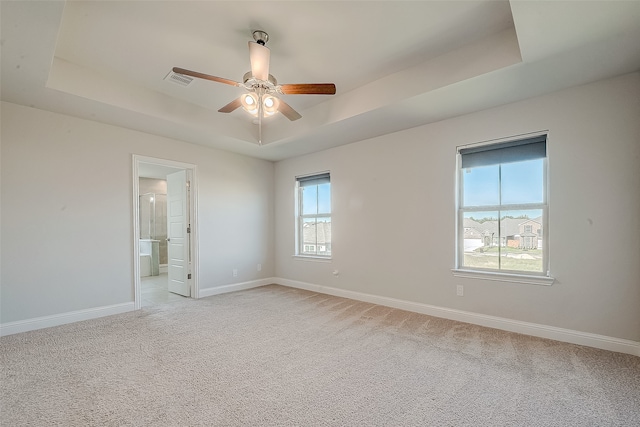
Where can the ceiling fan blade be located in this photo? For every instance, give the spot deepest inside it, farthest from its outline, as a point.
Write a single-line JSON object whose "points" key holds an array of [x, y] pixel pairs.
{"points": [[231, 106], [308, 89], [259, 57], [287, 111], [205, 76]]}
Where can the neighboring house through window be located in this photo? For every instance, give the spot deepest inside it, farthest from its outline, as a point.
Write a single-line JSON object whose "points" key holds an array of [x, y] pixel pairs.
{"points": [[313, 228], [502, 207]]}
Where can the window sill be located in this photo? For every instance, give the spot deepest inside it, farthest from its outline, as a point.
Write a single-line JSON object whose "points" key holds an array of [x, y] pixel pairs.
{"points": [[504, 277], [311, 258]]}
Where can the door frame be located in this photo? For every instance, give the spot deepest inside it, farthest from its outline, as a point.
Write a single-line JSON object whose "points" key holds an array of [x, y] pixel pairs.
{"points": [[193, 215]]}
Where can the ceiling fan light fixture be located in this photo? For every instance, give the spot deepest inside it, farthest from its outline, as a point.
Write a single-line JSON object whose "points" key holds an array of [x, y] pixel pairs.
{"points": [[270, 105], [250, 103]]}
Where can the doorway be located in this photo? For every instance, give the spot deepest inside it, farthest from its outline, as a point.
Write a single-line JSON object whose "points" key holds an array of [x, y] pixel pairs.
{"points": [[164, 231]]}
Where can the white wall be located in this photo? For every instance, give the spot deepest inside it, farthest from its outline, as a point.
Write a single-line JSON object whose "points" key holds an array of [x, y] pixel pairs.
{"points": [[67, 212], [393, 212]]}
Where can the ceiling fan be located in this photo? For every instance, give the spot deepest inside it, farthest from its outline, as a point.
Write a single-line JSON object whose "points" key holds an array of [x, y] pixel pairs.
{"points": [[262, 88]]}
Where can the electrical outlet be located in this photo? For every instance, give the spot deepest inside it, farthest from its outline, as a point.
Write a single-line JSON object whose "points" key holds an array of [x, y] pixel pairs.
{"points": [[460, 290], [259, 267], [235, 272]]}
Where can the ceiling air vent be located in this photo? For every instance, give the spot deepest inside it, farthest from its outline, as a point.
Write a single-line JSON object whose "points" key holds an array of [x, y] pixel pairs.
{"points": [[179, 79]]}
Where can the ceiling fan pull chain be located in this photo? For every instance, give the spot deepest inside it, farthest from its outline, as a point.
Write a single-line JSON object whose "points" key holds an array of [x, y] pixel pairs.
{"points": [[260, 112]]}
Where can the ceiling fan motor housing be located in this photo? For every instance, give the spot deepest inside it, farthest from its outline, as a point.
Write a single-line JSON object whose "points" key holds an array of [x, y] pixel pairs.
{"points": [[248, 76]]}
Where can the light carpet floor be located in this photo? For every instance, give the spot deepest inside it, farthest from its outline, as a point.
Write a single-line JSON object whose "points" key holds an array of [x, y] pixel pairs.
{"points": [[275, 356]]}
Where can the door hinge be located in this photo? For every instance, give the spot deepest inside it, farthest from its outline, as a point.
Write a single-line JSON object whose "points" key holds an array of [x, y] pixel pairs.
{"points": [[188, 184], [189, 229], [189, 276]]}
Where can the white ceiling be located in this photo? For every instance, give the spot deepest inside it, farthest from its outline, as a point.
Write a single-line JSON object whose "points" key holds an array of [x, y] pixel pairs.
{"points": [[395, 64]]}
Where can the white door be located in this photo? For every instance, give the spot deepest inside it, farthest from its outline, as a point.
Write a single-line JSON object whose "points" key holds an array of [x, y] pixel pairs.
{"points": [[177, 233]]}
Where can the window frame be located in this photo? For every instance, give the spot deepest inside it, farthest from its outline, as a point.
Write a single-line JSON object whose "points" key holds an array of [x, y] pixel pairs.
{"points": [[519, 276], [300, 217]]}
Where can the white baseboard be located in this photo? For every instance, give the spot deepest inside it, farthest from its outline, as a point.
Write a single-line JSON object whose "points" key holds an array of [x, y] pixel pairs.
{"points": [[11, 328], [207, 292], [543, 331]]}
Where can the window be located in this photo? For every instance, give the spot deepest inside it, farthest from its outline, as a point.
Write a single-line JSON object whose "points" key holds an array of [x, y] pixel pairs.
{"points": [[314, 215], [502, 207]]}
